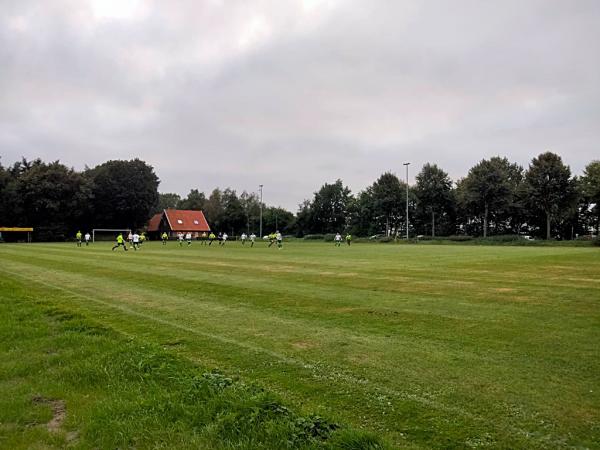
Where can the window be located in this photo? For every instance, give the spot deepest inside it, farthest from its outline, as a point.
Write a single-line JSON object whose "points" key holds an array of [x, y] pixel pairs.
{"points": [[180, 222], [196, 222]]}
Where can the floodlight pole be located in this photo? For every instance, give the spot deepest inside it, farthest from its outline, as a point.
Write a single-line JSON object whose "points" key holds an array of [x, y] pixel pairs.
{"points": [[406, 164], [260, 186]]}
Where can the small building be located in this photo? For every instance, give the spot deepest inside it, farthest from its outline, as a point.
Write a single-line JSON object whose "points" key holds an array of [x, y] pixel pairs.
{"points": [[174, 221]]}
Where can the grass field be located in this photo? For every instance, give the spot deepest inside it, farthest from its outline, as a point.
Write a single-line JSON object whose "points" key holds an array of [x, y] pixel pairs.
{"points": [[422, 346]]}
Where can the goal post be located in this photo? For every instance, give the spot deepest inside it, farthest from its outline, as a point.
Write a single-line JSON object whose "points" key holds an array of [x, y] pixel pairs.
{"points": [[108, 234]]}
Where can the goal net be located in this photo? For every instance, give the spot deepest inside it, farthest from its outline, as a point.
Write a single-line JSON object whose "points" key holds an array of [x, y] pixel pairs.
{"points": [[108, 234]]}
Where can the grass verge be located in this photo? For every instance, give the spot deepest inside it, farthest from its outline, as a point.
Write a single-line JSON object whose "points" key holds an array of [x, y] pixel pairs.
{"points": [[67, 381]]}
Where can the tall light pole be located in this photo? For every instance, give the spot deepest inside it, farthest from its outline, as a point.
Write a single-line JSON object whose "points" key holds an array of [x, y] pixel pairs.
{"points": [[260, 186], [406, 164]]}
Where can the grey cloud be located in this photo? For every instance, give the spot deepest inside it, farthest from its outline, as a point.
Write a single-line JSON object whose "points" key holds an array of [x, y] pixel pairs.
{"points": [[293, 94]]}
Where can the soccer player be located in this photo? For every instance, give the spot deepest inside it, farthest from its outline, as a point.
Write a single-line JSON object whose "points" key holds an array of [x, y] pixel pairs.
{"points": [[135, 241], [180, 238], [165, 237], [204, 238], [223, 239], [78, 238], [130, 239], [338, 239], [279, 239], [87, 239], [121, 242], [243, 238], [271, 239], [348, 238], [142, 239], [211, 238], [252, 239], [188, 238]]}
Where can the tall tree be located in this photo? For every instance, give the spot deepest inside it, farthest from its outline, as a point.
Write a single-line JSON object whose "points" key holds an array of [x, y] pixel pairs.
{"points": [[590, 188], [167, 200], [278, 219], [388, 197], [251, 206], [488, 189], [234, 219], [125, 193], [304, 219], [330, 208], [434, 193], [214, 209], [550, 189], [195, 200], [54, 199]]}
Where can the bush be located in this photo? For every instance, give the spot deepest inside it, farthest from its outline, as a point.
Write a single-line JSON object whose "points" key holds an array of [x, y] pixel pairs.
{"points": [[329, 237], [504, 238], [457, 238], [314, 237], [596, 242]]}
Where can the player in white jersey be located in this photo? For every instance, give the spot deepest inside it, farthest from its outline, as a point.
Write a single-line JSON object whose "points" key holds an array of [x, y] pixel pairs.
{"points": [[135, 239], [338, 239], [224, 238], [188, 238], [243, 237], [279, 239], [180, 238], [87, 239], [252, 239], [130, 239]]}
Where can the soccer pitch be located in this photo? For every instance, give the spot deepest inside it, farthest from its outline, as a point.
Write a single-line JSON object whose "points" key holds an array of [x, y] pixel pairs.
{"points": [[423, 345]]}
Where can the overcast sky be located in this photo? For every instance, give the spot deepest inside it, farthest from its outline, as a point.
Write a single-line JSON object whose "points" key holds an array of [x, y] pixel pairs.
{"points": [[292, 94]]}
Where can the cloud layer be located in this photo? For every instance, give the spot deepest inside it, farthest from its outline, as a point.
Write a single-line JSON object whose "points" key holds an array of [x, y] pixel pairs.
{"points": [[292, 94]]}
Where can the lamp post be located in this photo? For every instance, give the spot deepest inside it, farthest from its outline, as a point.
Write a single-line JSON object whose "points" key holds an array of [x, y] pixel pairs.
{"points": [[260, 186], [406, 164]]}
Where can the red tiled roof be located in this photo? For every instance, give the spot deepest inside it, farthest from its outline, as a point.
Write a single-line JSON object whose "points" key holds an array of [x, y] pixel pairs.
{"points": [[186, 220], [154, 222]]}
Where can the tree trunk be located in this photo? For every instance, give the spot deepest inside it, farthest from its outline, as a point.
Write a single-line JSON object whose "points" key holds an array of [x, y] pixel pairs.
{"points": [[432, 224], [485, 221], [547, 226]]}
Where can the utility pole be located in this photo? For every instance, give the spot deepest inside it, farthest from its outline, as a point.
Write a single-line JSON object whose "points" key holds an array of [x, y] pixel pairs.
{"points": [[406, 164], [260, 186]]}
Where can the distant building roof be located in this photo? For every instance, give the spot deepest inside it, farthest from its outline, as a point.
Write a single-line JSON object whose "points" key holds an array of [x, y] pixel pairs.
{"points": [[154, 223], [184, 220]]}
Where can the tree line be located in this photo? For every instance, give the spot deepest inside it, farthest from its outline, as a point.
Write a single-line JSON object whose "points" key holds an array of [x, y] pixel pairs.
{"points": [[495, 197]]}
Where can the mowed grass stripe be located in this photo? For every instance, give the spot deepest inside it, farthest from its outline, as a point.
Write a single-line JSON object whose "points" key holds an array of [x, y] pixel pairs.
{"points": [[449, 344], [323, 372]]}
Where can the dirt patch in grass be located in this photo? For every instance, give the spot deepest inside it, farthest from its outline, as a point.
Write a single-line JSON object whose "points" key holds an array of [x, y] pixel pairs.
{"points": [[303, 345], [504, 289], [59, 412]]}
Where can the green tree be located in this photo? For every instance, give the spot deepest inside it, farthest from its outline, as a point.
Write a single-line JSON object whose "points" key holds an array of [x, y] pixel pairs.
{"points": [[434, 194], [590, 189], [251, 206], [329, 208], [304, 219], [550, 189], [277, 218], [125, 193], [54, 199], [388, 198], [166, 201], [195, 201], [234, 218], [214, 209], [488, 190]]}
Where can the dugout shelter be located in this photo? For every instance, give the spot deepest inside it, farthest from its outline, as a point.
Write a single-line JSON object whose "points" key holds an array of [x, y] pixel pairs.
{"points": [[175, 221], [15, 234]]}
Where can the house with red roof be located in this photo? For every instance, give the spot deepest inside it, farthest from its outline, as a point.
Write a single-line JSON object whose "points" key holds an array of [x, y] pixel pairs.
{"points": [[174, 221]]}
